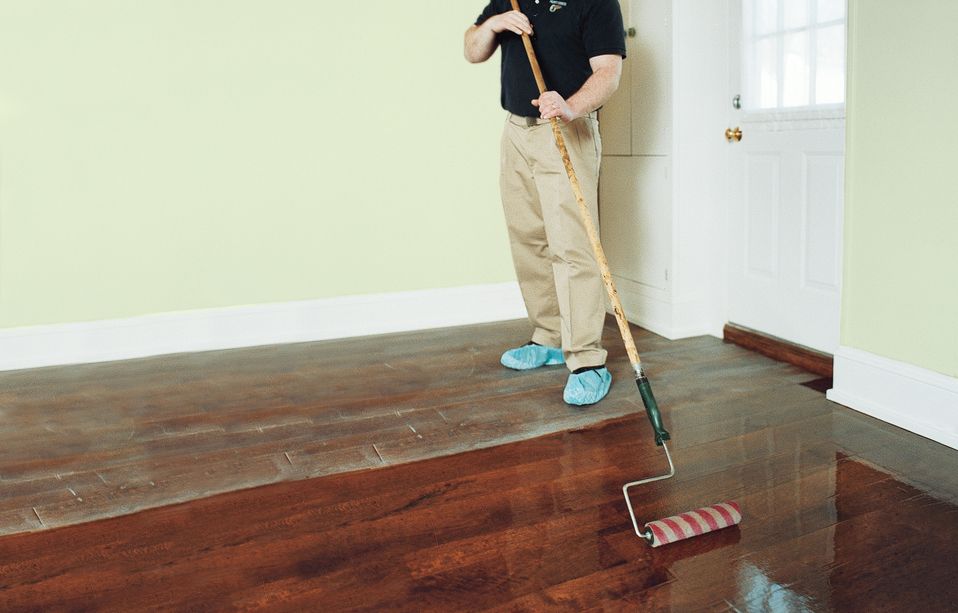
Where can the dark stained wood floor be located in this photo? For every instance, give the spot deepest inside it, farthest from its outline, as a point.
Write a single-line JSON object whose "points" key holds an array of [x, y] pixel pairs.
{"points": [[80, 443], [842, 512], [86, 442]]}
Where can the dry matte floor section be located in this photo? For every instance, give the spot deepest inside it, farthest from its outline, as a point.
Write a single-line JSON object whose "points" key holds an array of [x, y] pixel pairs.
{"points": [[842, 513], [80, 443]]}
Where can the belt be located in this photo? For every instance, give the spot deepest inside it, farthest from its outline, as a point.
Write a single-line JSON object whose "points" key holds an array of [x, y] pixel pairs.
{"points": [[529, 122]]}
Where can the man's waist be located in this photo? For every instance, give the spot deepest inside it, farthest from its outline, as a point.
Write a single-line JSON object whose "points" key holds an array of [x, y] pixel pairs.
{"points": [[528, 122]]}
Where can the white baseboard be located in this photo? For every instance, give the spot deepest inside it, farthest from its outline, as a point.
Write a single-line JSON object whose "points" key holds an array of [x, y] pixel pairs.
{"points": [[913, 398], [645, 307], [696, 317], [653, 310], [247, 326]]}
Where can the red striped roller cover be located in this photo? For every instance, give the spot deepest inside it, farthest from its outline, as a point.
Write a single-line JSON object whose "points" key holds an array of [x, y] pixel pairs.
{"points": [[694, 523]]}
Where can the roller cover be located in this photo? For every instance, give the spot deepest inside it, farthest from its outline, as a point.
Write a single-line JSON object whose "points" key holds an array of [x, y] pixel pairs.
{"points": [[694, 523]]}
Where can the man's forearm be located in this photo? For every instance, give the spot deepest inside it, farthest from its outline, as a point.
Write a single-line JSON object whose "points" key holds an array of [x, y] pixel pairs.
{"points": [[596, 91], [480, 43]]}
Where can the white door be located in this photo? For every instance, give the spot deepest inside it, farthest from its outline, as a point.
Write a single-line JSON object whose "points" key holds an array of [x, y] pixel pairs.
{"points": [[787, 172]]}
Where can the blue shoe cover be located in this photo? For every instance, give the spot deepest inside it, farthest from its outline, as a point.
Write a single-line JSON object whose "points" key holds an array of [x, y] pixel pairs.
{"points": [[528, 357], [587, 388]]}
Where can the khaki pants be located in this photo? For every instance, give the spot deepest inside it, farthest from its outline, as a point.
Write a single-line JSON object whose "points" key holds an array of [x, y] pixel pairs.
{"points": [[557, 271]]}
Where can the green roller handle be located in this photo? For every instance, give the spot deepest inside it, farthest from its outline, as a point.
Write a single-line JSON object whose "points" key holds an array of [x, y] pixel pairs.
{"points": [[652, 409]]}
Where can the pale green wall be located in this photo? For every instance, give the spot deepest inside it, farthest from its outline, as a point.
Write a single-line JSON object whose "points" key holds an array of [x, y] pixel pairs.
{"points": [[901, 240], [160, 155]]}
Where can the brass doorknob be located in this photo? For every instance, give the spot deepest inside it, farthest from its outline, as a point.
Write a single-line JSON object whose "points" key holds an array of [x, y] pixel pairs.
{"points": [[733, 134]]}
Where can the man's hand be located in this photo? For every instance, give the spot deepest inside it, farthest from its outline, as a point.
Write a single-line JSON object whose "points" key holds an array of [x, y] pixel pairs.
{"points": [[551, 104], [480, 41], [606, 70], [514, 21]]}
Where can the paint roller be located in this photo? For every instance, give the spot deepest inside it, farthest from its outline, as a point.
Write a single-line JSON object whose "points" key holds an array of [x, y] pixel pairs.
{"points": [[678, 527], [693, 523]]}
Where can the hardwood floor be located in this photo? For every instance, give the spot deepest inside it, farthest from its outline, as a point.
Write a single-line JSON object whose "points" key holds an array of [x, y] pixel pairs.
{"points": [[80, 443], [87, 442], [842, 512]]}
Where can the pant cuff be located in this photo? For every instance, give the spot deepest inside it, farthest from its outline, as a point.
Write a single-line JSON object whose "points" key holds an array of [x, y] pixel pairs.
{"points": [[546, 338], [586, 359]]}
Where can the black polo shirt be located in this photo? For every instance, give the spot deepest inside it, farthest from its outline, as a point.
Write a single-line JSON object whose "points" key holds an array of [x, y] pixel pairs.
{"points": [[566, 34]]}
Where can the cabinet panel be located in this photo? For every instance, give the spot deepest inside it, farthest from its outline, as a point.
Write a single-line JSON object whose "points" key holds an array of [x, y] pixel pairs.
{"points": [[635, 196], [615, 117], [650, 67]]}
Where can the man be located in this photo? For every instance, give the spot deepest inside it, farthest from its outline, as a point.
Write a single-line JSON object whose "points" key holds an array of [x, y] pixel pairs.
{"points": [[580, 45]]}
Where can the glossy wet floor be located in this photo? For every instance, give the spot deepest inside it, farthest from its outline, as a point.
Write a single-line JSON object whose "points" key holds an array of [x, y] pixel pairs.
{"points": [[842, 513]]}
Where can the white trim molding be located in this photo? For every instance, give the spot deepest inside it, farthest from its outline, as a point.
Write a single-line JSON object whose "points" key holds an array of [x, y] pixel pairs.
{"points": [[922, 401], [657, 311], [248, 326]]}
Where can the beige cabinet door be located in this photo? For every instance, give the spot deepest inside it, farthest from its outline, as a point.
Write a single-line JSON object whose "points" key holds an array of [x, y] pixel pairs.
{"points": [[638, 118], [635, 191]]}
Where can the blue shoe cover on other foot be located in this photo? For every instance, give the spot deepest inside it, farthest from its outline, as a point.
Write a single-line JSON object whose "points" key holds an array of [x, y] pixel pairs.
{"points": [[528, 357], [587, 388]]}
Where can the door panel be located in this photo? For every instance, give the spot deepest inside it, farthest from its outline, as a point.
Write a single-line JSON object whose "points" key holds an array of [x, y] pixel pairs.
{"points": [[785, 211], [787, 174], [822, 208], [762, 203]]}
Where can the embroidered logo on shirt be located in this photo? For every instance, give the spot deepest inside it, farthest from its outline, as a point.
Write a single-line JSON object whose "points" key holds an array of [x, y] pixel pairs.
{"points": [[557, 5]]}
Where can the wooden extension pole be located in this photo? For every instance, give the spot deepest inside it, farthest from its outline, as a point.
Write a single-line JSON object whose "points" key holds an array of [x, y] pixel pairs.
{"points": [[586, 216]]}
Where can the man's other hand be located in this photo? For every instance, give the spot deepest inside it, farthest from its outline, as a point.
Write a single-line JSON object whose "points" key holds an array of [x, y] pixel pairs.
{"points": [[551, 104]]}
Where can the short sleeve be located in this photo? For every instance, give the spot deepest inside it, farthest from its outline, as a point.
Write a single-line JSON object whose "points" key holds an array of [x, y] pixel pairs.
{"points": [[602, 29], [487, 12]]}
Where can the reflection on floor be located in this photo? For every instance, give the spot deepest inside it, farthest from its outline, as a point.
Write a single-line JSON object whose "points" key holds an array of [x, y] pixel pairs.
{"points": [[842, 513]]}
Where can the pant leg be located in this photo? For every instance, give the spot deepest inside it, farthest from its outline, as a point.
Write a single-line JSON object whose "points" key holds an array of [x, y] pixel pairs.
{"points": [[579, 287], [527, 235]]}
